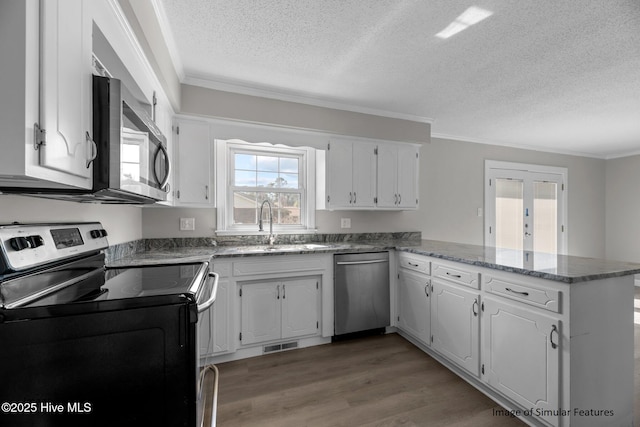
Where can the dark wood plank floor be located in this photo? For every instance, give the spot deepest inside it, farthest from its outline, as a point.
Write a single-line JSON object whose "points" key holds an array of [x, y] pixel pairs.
{"points": [[375, 381]]}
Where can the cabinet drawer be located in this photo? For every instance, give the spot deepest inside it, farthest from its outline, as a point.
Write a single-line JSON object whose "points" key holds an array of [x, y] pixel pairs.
{"points": [[415, 263], [549, 299], [456, 274], [222, 268]]}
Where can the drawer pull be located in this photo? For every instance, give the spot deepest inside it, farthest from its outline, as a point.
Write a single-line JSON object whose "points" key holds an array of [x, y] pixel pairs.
{"points": [[426, 289], [473, 307], [413, 265], [457, 276], [553, 329], [526, 294]]}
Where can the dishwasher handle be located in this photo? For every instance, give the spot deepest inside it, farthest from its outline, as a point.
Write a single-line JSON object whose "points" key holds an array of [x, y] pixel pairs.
{"points": [[373, 261]]}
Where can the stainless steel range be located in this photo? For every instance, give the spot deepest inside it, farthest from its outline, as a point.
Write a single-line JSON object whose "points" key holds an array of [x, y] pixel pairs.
{"points": [[82, 344]]}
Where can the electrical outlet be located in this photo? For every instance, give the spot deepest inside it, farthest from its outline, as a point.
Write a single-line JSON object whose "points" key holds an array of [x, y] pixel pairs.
{"points": [[479, 212], [345, 222], [187, 224]]}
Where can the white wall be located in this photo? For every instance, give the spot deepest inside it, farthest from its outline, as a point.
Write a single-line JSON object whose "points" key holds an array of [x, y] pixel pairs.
{"points": [[623, 209], [123, 223], [451, 190]]}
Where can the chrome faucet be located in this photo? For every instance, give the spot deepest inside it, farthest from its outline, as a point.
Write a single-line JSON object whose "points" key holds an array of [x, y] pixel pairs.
{"points": [[271, 236]]}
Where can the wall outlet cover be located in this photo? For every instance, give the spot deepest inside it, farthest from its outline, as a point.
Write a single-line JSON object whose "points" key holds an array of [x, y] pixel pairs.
{"points": [[345, 222], [187, 224]]}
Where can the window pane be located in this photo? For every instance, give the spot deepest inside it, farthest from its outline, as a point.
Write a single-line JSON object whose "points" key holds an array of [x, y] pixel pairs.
{"points": [[267, 164], [130, 153], [244, 207], [130, 171], [245, 178], [289, 165], [289, 208], [288, 180], [268, 179], [245, 161], [509, 214], [545, 217]]}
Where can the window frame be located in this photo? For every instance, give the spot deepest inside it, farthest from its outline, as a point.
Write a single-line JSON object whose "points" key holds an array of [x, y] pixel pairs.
{"points": [[225, 150]]}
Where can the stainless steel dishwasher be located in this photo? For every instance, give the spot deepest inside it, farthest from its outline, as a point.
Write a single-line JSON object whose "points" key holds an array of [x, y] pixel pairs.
{"points": [[361, 292]]}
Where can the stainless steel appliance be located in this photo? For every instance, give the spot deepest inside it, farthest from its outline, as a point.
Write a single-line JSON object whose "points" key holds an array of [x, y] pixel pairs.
{"points": [[132, 165], [83, 344], [361, 292]]}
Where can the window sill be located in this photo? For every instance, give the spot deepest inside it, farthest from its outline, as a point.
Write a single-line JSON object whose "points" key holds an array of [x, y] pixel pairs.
{"points": [[264, 233]]}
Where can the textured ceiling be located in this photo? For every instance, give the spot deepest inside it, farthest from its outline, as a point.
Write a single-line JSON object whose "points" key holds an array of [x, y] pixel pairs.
{"points": [[546, 74]]}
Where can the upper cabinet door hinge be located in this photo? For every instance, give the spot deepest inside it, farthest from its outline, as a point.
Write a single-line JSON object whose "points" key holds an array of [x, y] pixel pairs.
{"points": [[563, 186], [489, 182], [240, 291], [562, 228], [375, 151], [329, 146], [39, 136], [375, 200]]}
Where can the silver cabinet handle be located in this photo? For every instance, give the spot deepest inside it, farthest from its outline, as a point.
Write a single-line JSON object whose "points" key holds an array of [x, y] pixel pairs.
{"points": [[278, 288], [554, 328], [426, 289], [373, 261], [350, 197], [516, 292], [457, 276], [473, 307], [399, 199], [94, 149], [395, 198], [284, 292], [412, 264], [354, 197], [206, 192]]}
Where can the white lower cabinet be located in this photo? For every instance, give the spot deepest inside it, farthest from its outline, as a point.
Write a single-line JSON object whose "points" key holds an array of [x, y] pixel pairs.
{"points": [[455, 324], [213, 325], [521, 355], [279, 309], [414, 305]]}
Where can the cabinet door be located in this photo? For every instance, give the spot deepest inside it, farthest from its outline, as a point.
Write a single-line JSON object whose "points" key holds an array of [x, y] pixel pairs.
{"points": [[387, 176], [407, 177], [339, 173], [414, 305], [219, 318], [300, 308], [519, 357], [195, 160], [65, 89], [364, 174], [455, 324], [260, 312]]}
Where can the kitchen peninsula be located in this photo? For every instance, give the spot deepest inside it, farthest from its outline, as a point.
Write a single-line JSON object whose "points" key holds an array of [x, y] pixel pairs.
{"points": [[550, 337]]}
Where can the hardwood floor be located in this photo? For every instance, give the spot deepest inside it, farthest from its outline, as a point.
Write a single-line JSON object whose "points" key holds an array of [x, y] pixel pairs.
{"points": [[376, 381]]}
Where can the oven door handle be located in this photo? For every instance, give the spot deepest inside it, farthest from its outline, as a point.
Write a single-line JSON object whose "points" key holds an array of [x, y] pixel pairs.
{"points": [[208, 303]]}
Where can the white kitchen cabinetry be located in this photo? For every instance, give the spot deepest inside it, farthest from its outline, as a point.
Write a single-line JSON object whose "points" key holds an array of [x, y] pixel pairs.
{"points": [[194, 179], [455, 324], [397, 176], [351, 174], [280, 309], [521, 354], [47, 86], [414, 305]]}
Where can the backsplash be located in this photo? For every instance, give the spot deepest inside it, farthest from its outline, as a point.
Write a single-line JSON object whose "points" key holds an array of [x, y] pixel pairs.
{"points": [[129, 248]]}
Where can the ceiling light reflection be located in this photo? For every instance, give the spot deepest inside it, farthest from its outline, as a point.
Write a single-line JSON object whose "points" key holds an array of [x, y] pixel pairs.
{"points": [[469, 17]]}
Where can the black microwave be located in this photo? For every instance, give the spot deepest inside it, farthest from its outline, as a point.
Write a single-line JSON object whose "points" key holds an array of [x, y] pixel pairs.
{"points": [[132, 162]]}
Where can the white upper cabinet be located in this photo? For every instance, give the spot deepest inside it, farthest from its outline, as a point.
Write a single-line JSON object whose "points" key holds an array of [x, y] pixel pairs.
{"points": [[47, 83], [351, 171], [397, 176], [194, 179], [65, 88], [368, 175]]}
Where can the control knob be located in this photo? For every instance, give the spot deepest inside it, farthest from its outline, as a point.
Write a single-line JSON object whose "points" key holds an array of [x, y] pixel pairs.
{"points": [[100, 232], [29, 242]]}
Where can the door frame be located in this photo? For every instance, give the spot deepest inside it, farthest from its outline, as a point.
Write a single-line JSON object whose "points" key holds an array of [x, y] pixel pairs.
{"points": [[493, 168]]}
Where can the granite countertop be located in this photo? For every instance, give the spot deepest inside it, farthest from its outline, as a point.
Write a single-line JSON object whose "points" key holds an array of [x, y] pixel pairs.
{"points": [[563, 268]]}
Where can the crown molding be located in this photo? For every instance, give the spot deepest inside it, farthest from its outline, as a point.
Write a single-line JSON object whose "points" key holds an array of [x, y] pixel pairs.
{"points": [[169, 40], [297, 98]]}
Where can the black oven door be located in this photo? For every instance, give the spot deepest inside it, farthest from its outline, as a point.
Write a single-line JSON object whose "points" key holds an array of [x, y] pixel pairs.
{"points": [[130, 367]]}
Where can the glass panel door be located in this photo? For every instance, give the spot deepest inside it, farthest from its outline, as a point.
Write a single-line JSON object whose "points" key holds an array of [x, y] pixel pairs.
{"points": [[509, 204]]}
